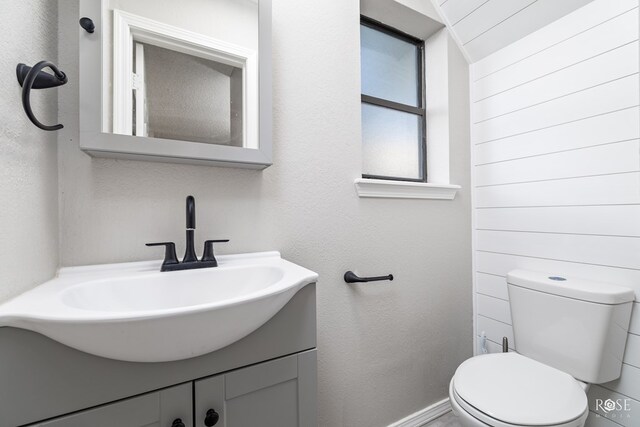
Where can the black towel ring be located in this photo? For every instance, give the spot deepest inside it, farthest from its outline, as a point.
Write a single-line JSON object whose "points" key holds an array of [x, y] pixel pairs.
{"points": [[34, 78]]}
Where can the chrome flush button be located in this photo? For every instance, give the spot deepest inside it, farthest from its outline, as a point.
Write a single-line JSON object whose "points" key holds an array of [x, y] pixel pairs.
{"points": [[557, 278]]}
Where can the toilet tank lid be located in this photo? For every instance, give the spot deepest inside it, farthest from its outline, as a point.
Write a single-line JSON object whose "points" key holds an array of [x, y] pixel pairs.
{"points": [[571, 287]]}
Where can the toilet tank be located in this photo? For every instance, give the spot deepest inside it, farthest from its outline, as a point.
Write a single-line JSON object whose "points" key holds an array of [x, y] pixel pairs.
{"points": [[575, 325]]}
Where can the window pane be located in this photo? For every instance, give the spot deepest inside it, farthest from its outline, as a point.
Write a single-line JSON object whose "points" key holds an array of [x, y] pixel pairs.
{"points": [[389, 67], [391, 143]]}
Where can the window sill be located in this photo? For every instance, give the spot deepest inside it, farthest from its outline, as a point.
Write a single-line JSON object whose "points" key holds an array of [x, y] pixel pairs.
{"points": [[382, 188]]}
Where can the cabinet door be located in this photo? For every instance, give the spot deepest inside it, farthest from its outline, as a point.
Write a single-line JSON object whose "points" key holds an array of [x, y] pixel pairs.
{"points": [[278, 393], [157, 409]]}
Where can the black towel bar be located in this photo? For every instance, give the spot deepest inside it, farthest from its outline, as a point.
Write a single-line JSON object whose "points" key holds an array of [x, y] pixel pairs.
{"points": [[351, 277]]}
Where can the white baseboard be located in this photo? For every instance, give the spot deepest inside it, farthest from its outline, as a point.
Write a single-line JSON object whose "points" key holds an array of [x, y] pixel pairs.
{"points": [[424, 416]]}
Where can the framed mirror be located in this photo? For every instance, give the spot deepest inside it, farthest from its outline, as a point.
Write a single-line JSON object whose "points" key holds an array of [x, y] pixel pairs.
{"points": [[186, 81]]}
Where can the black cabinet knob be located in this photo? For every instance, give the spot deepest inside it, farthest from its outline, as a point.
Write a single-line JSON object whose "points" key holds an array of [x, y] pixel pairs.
{"points": [[87, 24], [177, 423], [211, 418]]}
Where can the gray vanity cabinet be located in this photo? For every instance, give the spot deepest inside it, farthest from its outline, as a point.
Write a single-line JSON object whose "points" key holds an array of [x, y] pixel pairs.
{"points": [[278, 393], [157, 409]]}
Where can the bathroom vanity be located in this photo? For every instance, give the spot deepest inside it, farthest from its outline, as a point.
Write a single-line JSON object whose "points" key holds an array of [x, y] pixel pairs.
{"points": [[266, 378]]}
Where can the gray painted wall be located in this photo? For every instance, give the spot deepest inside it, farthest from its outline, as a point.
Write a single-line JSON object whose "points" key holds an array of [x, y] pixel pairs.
{"points": [[385, 349], [28, 175]]}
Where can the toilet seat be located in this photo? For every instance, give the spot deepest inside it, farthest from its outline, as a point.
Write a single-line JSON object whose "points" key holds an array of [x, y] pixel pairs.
{"points": [[507, 390], [483, 420]]}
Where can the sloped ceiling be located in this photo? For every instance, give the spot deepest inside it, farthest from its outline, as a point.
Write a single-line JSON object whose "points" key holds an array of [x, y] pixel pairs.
{"points": [[482, 27]]}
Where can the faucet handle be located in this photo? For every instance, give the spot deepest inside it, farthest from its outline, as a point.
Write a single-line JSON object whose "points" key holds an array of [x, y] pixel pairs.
{"points": [[208, 255], [170, 256]]}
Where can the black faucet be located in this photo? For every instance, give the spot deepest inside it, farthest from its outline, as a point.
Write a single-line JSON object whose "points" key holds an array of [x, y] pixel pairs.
{"points": [[190, 260], [190, 251]]}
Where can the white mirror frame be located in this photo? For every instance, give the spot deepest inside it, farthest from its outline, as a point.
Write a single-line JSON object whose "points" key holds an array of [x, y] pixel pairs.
{"points": [[258, 126]]}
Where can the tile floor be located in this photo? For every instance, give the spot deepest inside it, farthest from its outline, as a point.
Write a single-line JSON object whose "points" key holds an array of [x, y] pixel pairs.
{"points": [[447, 420]]}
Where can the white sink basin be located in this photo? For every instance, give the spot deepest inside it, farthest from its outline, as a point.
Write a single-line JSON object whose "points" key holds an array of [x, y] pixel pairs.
{"points": [[134, 312]]}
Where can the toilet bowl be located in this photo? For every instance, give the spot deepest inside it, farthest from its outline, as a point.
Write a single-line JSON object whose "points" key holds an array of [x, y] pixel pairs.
{"points": [[565, 329], [507, 390]]}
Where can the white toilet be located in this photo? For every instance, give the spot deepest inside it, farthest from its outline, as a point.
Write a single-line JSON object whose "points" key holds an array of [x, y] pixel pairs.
{"points": [[568, 333]]}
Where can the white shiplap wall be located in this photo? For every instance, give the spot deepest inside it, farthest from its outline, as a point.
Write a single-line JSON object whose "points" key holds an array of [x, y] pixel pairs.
{"points": [[482, 27], [556, 159]]}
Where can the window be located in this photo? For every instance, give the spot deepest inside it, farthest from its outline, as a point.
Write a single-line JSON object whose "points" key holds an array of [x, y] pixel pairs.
{"points": [[393, 112]]}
